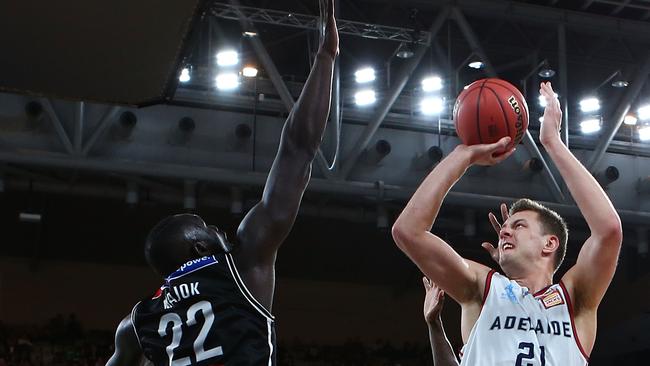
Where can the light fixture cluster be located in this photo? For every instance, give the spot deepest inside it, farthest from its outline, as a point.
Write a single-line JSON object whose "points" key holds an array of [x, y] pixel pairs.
{"points": [[366, 94], [432, 103], [228, 76]]}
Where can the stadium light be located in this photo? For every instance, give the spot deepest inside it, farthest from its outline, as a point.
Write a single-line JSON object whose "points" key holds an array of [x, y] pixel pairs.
{"points": [[365, 75], [644, 112], [432, 106], [365, 97], [227, 58], [227, 81], [590, 104], [249, 72], [644, 133], [185, 75], [590, 125], [630, 120], [431, 84]]}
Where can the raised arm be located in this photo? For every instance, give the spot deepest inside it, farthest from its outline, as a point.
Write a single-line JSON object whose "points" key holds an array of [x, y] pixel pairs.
{"points": [[268, 223], [589, 278], [443, 353], [460, 278], [127, 348]]}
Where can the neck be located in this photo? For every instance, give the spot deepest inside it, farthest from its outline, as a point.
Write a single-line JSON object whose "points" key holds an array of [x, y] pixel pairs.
{"points": [[534, 283], [534, 278]]}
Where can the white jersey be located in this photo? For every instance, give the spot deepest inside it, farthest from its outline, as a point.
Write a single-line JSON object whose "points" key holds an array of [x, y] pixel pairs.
{"points": [[517, 328]]}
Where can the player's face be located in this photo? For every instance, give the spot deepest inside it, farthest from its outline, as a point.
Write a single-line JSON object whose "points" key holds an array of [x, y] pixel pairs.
{"points": [[520, 240]]}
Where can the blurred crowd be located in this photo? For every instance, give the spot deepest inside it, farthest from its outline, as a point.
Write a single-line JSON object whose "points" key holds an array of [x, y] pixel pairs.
{"points": [[64, 342]]}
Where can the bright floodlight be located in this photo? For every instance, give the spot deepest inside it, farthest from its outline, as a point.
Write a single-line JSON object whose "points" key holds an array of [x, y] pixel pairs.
{"points": [[644, 112], [542, 100], [365, 75], [432, 106], [644, 133], [249, 72], [541, 119], [365, 97], [431, 84], [185, 75], [630, 120], [476, 65], [227, 58], [589, 104], [227, 81], [590, 125]]}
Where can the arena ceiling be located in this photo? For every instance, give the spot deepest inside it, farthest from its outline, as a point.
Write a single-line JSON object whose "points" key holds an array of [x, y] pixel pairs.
{"points": [[64, 146]]}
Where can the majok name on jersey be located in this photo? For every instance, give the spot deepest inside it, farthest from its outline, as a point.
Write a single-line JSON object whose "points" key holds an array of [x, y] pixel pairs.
{"points": [[528, 325], [175, 294]]}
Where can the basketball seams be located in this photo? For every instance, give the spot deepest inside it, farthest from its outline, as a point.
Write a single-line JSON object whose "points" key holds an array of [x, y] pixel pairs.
{"points": [[478, 112], [506, 120], [463, 111]]}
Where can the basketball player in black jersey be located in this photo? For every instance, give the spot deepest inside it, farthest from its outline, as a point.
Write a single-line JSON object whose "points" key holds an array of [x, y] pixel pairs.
{"points": [[210, 311]]}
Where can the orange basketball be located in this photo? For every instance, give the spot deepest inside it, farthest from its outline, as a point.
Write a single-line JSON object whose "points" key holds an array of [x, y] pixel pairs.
{"points": [[488, 110]]}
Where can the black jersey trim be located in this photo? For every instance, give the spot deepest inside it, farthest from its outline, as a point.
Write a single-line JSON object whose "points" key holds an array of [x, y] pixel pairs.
{"points": [[244, 290], [135, 329]]}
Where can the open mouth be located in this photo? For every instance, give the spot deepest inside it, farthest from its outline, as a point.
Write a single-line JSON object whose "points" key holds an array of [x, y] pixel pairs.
{"points": [[507, 246]]}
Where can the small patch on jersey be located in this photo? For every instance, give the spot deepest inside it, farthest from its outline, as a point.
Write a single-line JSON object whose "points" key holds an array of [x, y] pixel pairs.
{"points": [[192, 266], [158, 293], [509, 294], [551, 298]]}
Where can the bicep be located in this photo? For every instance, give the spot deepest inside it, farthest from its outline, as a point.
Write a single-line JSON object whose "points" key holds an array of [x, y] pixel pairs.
{"points": [[269, 222], [590, 277], [462, 279], [127, 348]]}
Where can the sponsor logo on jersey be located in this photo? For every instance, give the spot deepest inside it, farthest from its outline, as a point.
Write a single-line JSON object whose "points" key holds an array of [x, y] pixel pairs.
{"points": [[192, 266], [551, 298]]}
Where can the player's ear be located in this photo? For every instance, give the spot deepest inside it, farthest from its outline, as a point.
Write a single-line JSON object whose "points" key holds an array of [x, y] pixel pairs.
{"points": [[202, 248], [552, 244]]}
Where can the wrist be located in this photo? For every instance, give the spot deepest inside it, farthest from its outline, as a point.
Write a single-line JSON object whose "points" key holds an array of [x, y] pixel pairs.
{"points": [[463, 154], [435, 323], [552, 143], [326, 54]]}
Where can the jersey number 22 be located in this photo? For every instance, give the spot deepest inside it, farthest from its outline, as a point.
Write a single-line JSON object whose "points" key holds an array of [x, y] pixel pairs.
{"points": [[201, 353]]}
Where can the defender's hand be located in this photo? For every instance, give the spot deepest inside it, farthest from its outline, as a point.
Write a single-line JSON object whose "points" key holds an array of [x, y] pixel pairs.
{"points": [[433, 300], [552, 122], [494, 250], [331, 40]]}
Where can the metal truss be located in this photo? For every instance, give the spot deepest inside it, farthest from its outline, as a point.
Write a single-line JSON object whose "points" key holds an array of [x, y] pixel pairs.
{"points": [[283, 18]]}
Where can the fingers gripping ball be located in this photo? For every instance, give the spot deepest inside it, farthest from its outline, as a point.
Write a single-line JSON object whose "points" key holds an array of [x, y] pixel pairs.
{"points": [[488, 110]]}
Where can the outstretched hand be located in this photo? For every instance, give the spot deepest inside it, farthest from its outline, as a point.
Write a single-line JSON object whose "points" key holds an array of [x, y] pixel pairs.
{"points": [[494, 250], [330, 43], [552, 122], [433, 300]]}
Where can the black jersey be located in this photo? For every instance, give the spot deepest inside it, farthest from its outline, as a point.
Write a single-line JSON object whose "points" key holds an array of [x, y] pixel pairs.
{"points": [[204, 315]]}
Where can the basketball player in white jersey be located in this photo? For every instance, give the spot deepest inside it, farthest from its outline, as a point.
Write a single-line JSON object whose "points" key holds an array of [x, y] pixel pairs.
{"points": [[522, 317]]}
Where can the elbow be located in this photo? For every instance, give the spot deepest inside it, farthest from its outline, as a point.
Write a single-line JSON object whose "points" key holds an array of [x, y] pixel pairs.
{"points": [[301, 142], [402, 235], [612, 232]]}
